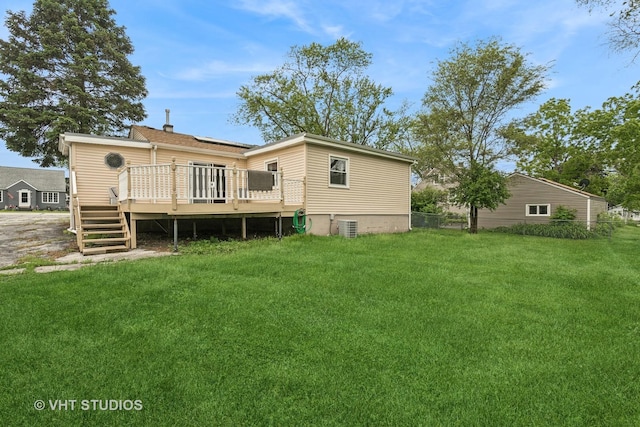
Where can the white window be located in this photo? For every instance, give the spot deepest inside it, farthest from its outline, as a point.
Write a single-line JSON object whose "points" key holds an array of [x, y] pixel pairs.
{"points": [[272, 166], [538, 210], [1, 196], [49, 197], [338, 171]]}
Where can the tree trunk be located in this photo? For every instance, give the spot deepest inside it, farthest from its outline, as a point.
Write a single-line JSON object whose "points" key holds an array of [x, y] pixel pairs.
{"points": [[473, 223]]}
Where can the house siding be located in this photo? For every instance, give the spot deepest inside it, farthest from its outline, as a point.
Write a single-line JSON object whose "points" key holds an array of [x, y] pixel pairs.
{"points": [[597, 207], [93, 176], [290, 161], [527, 191], [377, 194], [15, 190]]}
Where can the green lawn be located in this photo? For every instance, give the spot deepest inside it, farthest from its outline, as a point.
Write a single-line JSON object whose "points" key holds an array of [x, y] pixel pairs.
{"points": [[423, 328]]}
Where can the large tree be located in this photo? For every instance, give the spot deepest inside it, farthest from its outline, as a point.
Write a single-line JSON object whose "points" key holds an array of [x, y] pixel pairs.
{"points": [[64, 68], [321, 90], [464, 109], [617, 126], [558, 144], [624, 34]]}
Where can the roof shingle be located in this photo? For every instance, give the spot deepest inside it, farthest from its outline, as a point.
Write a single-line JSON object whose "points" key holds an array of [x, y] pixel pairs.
{"points": [[40, 179], [184, 140]]}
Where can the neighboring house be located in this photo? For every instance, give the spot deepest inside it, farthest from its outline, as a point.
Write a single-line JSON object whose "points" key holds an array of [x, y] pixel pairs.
{"points": [[534, 200], [439, 181], [158, 175], [625, 214], [25, 188]]}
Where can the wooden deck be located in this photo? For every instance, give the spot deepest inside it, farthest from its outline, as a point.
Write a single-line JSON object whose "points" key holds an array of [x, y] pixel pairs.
{"points": [[178, 190], [173, 191]]}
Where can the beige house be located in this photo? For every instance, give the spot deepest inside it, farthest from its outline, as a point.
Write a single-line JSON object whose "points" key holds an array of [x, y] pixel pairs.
{"points": [[316, 183], [439, 181], [534, 200]]}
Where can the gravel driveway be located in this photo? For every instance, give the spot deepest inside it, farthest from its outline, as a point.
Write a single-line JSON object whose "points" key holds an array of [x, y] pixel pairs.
{"points": [[33, 233]]}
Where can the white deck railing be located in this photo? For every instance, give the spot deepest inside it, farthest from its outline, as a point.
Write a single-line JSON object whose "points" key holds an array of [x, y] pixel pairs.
{"points": [[182, 184]]}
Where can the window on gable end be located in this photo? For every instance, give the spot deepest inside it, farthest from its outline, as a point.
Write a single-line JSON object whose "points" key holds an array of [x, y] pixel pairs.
{"points": [[538, 210]]}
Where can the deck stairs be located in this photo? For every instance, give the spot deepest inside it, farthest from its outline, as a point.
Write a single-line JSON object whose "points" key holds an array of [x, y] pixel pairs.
{"points": [[103, 229]]}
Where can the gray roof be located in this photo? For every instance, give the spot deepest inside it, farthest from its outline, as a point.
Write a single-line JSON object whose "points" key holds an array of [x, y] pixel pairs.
{"points": [[40, 179]]}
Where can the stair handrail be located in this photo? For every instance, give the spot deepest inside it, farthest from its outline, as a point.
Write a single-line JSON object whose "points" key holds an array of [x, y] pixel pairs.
{"points": [[78, 220]]}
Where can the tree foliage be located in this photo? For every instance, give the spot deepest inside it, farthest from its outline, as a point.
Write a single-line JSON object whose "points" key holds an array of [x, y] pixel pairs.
{"points": [[619, 129], [543, 141], [561, 145], [601, 145], [322, 90], [624, 34], [64, 68], [463, 112], [479, 186], [428, 200]]}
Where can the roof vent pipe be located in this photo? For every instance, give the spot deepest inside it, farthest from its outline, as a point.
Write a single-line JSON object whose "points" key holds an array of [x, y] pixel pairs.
{"points": [[167, 126]]}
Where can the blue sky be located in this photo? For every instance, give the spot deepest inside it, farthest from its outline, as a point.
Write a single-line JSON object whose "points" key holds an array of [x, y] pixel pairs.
{"points": [[195, 54]]}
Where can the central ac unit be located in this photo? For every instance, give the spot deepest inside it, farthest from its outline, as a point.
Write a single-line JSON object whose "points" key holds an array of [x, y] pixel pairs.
{"points": [[348, 228]]}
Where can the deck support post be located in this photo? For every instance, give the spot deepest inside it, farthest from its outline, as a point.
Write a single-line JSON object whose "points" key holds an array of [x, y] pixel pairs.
{"points": [[244, 227], [195, 233], [279, 232], [175, 234], [134, 232]]}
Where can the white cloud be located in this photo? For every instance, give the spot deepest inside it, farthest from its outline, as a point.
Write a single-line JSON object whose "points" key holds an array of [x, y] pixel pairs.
{"points": [[278, 9], [216, 69], [335, 31], [298, 12], [386, 10]]}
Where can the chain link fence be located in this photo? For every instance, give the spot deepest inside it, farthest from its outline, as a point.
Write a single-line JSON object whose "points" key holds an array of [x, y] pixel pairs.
{"points": [[433, 220]]}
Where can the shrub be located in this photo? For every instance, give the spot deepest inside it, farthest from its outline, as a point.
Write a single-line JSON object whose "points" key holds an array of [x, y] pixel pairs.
{"points": [[563, 215], [560, 230], [428, 200], [614, 220]]}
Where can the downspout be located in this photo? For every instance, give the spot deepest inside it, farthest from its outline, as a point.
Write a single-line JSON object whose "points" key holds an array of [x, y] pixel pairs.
{"points": [[588, 213], [72, 223]]}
